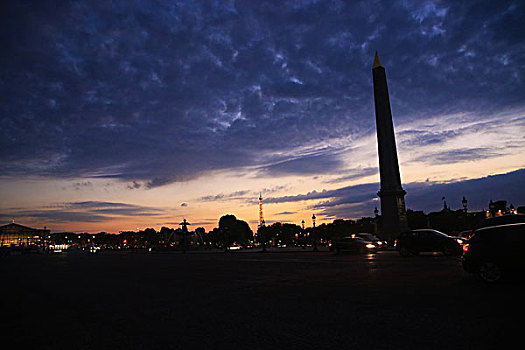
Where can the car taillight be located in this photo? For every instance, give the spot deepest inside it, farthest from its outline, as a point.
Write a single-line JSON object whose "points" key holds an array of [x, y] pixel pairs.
{"points": [[465, 247]]}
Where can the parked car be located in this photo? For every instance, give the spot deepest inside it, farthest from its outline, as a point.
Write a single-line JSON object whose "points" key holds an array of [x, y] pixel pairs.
{"points": [[372, 238], [427, 240], [502, 220], [493, 252], [465, 235], [354, 244]]}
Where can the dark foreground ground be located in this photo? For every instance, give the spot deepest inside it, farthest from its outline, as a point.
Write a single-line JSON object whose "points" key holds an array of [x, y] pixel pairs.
{"points": [[298, 300]]}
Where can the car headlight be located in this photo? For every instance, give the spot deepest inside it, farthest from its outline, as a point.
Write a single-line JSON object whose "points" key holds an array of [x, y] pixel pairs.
{"points": [[460, 241], [370, 246]]}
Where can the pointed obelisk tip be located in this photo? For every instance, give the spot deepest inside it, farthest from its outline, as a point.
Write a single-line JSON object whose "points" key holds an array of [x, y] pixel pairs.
{"points": [[377, 63]]}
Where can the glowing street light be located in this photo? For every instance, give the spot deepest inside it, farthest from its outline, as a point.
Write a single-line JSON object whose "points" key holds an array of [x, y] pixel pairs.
{"points": [[464, 202]]}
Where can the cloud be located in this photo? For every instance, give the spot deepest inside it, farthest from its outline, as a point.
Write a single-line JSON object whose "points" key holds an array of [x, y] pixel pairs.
{"points": [[427, 196], [194, 87], [425, 137], [344, 195], [211, 198], [84, 185], [247, 196], [461, 137], [134, 185], [285, 213], [458, 156], [87, 211], [277, 188], [360, 200], [354, 174], [306, 165], [57, 216], [237, 195], [203, 223], [345, 202]]}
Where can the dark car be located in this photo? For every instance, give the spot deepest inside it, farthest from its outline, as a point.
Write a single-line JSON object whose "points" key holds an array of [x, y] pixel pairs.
{"points": [[374, 239], [502, 220], [354, 244], [426, 240], [493, 252], [465, 235]]}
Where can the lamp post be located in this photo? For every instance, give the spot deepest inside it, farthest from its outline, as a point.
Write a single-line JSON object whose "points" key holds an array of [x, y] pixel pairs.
{"points": [[314, 233], [466, 225], [376, 218], [491, 208], [302, 235]]}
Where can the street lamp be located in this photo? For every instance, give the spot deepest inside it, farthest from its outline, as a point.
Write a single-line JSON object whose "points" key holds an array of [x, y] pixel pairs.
{"points": [[376, 214], [491, 208], [315, 236]]}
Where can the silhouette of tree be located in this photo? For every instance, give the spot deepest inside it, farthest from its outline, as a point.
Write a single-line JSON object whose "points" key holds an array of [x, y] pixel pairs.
{"points": [[214, 236], [233, 230], [264, 235], [201, 232], [149, 237], [165, 233], [287, 233]]}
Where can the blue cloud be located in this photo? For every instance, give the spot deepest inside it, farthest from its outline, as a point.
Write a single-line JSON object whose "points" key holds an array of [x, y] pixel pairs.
{"points": [[360, 200], [306, 165], [459, 155], [158, 92]]}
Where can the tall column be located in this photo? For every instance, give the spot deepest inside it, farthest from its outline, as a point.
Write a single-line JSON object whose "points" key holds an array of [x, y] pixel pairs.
{"points": [[392, 195]]}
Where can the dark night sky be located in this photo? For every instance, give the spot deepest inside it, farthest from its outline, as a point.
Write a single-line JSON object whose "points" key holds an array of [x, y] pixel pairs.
{"points": [[152, 94]]}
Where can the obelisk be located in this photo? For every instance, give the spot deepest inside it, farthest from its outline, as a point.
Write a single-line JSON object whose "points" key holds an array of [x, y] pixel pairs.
{"points": [[392, 195]]}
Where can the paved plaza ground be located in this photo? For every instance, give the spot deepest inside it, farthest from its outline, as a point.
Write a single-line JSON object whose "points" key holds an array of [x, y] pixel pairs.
{"points": [[278, 300]]}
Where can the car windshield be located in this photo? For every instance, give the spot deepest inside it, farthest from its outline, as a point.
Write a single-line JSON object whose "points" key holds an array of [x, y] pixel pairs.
{"points": [[368, 236], [465, 234], [437, 233]]}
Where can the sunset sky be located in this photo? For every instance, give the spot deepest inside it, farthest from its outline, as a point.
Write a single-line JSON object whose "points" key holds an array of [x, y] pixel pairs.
{"points": [[118, 115]]}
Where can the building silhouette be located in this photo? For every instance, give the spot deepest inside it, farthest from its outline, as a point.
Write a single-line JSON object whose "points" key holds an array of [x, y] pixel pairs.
{"points": [[18, 235]]}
